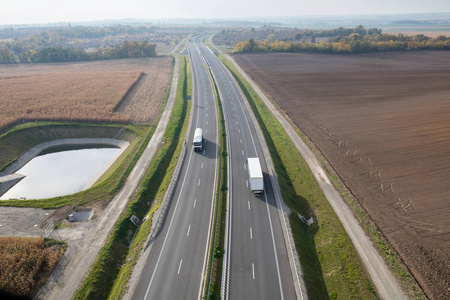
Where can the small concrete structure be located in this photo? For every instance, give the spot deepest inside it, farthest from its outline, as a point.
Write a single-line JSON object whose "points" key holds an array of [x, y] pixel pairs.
{"points": [[8, 181], [80, 216]]}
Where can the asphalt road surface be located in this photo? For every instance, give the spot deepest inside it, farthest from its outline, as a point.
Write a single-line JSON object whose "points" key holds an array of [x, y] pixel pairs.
{"points": [[176, 265]]}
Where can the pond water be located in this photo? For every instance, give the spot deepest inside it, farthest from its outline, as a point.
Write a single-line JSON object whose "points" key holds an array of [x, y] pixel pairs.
{"points": [[61, 173]]}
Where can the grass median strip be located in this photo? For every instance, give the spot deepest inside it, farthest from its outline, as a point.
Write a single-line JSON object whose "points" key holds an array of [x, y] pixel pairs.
{"points": [[213, 288], [329, 260], [115, 262]]}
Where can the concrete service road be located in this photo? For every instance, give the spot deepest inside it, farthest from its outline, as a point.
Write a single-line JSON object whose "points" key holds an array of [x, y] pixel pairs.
{"points": [[258, 265], [176, 264]]}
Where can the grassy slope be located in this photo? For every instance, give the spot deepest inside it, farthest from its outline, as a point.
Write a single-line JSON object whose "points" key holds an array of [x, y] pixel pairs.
{"points": [[23, 137], [330, 262]]}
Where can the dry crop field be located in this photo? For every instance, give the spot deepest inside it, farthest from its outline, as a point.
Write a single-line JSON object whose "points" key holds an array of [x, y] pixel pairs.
{"points": [[25, 264], [382, 120], [432, 32], [92, 91]]}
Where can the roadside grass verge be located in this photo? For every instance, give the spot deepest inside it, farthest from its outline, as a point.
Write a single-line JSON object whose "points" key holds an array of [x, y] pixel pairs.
{"points": [[390, 256], [183, 45], [331, 265], [113, 267], [25, 264], [214, 275], [222, 47], [23, 137]]}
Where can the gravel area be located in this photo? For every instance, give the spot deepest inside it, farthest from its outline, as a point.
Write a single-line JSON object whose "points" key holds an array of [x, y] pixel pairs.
{"points": [[20, 221]]}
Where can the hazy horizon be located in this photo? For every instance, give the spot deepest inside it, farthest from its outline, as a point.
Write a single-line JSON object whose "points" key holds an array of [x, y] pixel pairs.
{"points": [[54, 11]]}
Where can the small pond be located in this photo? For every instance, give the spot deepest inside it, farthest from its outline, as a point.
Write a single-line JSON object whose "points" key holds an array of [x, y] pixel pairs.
{"points": [[61, 173]]}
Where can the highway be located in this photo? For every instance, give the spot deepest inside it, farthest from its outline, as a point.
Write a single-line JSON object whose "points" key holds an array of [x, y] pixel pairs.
{"points": [[176, 264], [257, 265]]}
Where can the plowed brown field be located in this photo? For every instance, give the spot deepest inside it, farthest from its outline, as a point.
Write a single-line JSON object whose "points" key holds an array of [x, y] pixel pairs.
{"points": [[130, 90], [383, 122]]}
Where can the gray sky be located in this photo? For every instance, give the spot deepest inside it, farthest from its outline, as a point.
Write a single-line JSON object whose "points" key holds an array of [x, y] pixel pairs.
{"points": [[44, 11]]}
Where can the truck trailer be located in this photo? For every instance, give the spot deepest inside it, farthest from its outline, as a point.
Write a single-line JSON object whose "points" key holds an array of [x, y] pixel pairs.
{"points": [[198, 140], [255, 176]]}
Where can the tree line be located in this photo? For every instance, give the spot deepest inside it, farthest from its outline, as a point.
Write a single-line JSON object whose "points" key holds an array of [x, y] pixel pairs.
{"points": [[341, 31], [358, 40], [128, 49], [22, 40], [71, 32]]}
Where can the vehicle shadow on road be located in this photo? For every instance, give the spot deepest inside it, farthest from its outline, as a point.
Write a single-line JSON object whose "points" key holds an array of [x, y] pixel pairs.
{"points": [[209, 150]]}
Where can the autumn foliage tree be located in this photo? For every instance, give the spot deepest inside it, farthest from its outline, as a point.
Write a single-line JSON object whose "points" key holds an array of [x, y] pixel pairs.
{"points": [[128, 49], [358, 40]]}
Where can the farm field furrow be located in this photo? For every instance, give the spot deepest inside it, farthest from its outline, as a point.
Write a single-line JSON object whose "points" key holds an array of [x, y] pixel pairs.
{"points": [[381, 120], [143, 103], [83, 91]]}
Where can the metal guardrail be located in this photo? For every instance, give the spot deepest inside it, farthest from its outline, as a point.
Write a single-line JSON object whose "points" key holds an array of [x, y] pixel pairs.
{"points": [[213, 243], [167, 196]]}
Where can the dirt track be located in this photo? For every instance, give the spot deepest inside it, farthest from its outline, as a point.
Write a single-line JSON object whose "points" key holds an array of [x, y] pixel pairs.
{"points": [[382, 121]]}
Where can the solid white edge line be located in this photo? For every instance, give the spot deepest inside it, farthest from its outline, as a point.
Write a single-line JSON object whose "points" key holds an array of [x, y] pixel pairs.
{"points": [[212, 206], [168, 230], [254, 147], [228, 224], [265, 195], [278, 200], [174, 212], [274, 247]]}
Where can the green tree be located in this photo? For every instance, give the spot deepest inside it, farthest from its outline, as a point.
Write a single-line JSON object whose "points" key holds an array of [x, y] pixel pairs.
{"points": [[6, 56]]}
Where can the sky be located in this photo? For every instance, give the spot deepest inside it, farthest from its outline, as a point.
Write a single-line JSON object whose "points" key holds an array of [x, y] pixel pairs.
{"points": [[52, 11]]}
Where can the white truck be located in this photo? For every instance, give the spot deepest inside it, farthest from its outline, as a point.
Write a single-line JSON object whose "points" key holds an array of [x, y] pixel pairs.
{"points": [[198, 140], [255, 176]]}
